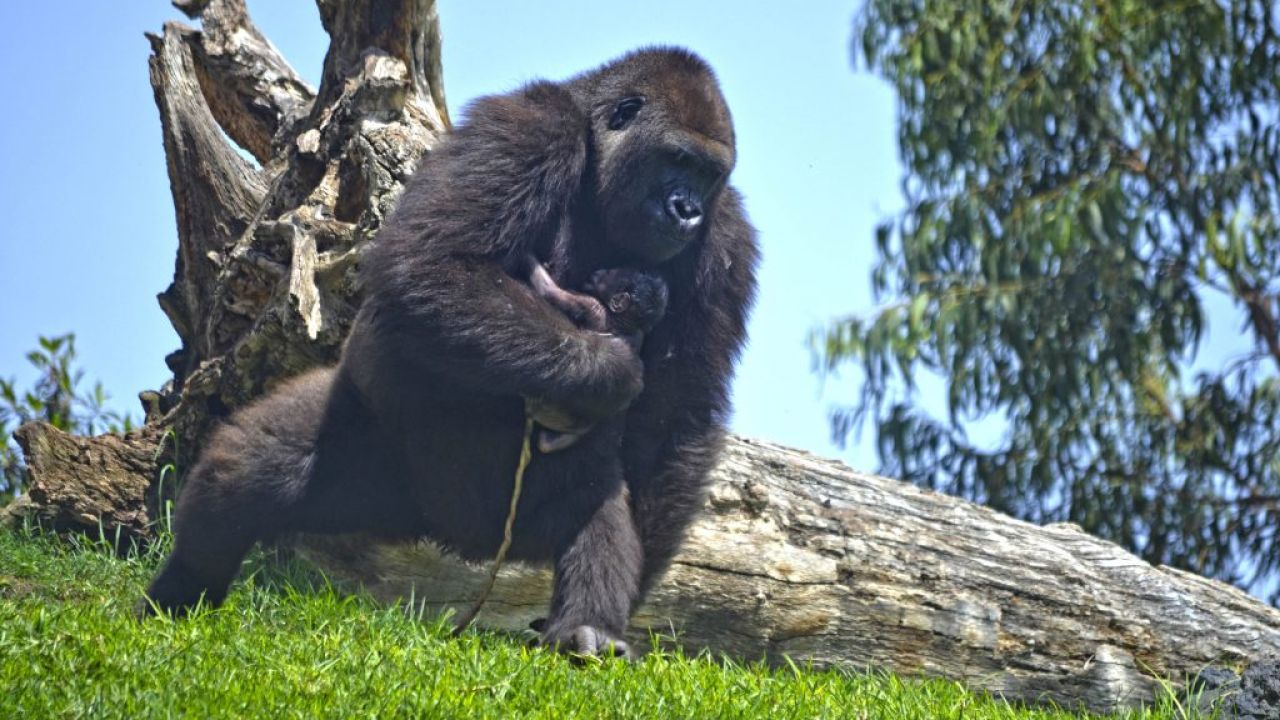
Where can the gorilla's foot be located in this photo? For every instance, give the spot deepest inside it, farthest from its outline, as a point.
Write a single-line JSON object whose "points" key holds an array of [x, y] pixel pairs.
{"points": [[587, 640]]}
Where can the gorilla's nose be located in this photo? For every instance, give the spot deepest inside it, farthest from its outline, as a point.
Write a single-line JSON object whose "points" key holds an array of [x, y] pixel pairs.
{"points": [[684, 208]]}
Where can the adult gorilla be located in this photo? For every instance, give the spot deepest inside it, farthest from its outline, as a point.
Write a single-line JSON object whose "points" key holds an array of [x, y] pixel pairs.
{"points": [[417, 432]]}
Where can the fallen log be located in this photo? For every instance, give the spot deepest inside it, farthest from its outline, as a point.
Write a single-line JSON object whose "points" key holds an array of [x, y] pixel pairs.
{"points": [[801, 557]]}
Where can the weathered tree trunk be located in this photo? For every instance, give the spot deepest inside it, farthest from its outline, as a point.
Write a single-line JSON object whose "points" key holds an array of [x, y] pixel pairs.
{"points": [[265, 283], [796, 556]]}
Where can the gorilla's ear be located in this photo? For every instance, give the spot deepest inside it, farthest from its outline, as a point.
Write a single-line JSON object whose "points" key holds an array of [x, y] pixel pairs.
{"points": [[517, 164]]}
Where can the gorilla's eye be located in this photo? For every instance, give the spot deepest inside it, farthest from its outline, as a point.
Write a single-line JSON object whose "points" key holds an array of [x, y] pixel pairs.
{"points": [[624, 112]]}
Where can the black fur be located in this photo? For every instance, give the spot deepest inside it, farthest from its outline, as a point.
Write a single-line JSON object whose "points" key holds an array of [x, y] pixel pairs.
{"points": [[418, 429]]}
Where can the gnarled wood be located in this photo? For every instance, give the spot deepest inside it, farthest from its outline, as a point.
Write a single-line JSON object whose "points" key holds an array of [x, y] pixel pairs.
{"points": [[405, 31], [215, 191], [252, 91], [266, 284], [89, 484]]}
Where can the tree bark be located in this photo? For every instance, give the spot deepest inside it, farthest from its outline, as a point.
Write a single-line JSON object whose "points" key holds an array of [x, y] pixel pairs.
{"points": [[795, 556], [91, 484]]}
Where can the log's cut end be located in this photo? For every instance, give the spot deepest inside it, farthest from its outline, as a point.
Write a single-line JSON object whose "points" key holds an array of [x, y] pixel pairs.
{"points": [[801, 557]]}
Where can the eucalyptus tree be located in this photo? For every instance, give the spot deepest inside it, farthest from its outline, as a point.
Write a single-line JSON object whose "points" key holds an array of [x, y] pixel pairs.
{"points": [[1085, 181]]}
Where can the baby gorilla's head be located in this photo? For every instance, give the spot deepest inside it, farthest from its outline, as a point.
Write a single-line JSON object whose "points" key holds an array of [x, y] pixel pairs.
{"points": [[636, 300]]}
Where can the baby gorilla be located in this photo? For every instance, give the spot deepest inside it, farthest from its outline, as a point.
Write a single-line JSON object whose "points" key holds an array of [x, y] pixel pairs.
{"points": [[620, 301]]}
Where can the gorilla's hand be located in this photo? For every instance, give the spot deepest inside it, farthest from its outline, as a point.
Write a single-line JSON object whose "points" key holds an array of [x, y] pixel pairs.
{"points": [[564, 423], [621, 379]]}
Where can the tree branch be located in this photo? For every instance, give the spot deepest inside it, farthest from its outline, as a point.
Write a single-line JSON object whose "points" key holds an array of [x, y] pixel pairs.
{"points": [[407, 31], [251, 89], [1261, 317], [216, 192]]}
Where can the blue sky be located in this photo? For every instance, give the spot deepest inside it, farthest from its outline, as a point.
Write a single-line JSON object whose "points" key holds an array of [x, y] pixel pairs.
{"points": [[90, 237]]}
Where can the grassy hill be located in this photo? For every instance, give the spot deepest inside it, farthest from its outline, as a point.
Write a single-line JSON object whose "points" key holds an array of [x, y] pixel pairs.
{"points": [[285, 645]]}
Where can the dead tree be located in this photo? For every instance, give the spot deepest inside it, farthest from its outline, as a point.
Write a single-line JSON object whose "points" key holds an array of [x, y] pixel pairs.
{"points": [[796, 556]]}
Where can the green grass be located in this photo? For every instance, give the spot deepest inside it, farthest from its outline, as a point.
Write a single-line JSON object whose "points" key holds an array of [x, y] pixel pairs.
{"points": [[285, 646]]}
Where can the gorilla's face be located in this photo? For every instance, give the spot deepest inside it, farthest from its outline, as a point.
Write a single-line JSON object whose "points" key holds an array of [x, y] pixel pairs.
{"points": [[664, 146]]}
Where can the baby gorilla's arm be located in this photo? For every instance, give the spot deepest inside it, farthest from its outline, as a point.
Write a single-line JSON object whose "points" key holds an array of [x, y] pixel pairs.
{"points": [[626, 303], [585, 311]]}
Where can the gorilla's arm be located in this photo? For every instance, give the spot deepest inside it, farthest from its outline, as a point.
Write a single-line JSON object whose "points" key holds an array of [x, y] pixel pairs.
{"points": [[440, 277], [676, 428]]}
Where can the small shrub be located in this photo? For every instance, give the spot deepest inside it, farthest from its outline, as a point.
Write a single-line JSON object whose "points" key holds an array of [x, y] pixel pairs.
{"points": [[55, 398]]}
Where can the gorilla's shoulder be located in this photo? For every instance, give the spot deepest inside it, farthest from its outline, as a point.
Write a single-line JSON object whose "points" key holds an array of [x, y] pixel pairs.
{"points": [[541, 114]]}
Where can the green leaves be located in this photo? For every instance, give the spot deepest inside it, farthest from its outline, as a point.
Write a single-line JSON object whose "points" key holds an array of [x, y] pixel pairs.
{"points": [[1082, 178], [55, 399]]}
